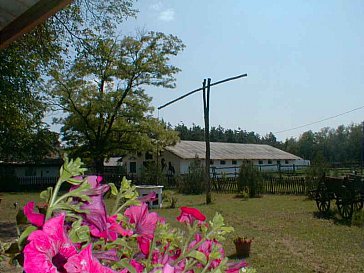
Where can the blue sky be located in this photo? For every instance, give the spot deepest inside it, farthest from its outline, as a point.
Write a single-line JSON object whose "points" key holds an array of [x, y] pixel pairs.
{"points": [[304, 61]]}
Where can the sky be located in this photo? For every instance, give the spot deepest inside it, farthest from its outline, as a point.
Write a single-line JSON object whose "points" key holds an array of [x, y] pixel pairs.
{"points": [[304, 61]]}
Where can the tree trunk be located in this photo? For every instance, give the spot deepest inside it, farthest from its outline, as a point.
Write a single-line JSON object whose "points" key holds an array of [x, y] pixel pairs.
{"points": [[99, 165]]}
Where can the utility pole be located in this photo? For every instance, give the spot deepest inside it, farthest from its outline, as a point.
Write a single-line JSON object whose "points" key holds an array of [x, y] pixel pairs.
{"points": [[362, 150], [206, 111], [206, 106]]}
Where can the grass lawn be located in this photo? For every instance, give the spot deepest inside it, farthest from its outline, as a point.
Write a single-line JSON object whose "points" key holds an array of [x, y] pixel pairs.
{"points": [[288, 236]]}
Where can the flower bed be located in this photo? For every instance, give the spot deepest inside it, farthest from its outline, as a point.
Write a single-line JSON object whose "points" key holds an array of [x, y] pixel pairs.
{"points": [[73, 233]]}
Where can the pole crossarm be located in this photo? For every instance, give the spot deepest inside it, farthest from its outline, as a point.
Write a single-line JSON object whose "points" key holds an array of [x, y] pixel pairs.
{"points": [[200, 89]]}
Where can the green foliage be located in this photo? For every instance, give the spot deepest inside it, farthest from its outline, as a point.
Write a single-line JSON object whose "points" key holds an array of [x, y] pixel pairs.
{"points": [[152, 174], [126, 196], [249, 178], [23, 135], [315, 172], [25, 65], [193, 182], [102, 93]]}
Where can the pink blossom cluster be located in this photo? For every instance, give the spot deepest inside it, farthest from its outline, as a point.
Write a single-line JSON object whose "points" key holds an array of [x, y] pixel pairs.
{"points": [[50, 248]]}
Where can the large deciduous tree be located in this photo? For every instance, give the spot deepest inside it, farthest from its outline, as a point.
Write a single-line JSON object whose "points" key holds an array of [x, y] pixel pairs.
{"points": [[102, 94], [22, 106], [25, 63]]}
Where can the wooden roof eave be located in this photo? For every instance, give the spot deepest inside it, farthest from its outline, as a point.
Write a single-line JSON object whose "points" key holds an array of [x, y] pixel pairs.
{"points": [[25, 22]]}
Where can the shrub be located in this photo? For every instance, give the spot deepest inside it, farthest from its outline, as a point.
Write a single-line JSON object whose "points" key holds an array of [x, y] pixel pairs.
{"points": [[152, 174], [193, 182], [250, 178]]}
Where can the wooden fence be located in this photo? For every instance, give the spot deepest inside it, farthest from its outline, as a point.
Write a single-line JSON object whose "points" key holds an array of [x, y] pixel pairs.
{"points": [[270, 185]]}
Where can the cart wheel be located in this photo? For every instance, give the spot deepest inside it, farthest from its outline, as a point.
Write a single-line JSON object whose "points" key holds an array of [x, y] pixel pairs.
{"points": [[345, 208], [322, 200]]}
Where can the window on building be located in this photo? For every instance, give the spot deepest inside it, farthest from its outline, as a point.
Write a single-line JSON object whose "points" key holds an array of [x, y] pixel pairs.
{"points": [[278, 162], [234, 162], [269, 161], [286, 162], [211, 162], [148, 156], [222, 162], [132, 167], [260, 162]]}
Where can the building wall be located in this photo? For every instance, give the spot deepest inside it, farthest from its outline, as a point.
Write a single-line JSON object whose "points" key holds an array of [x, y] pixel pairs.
{"points": [[181, 166]]}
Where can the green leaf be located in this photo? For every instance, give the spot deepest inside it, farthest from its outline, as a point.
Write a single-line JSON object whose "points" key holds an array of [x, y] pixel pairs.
{"points": [[114, 190], [125, 264], [79, 233], [215, 253], [70, 207], [198, 256], [21, 219], [70, 169], [24, 236], [46, 194]]}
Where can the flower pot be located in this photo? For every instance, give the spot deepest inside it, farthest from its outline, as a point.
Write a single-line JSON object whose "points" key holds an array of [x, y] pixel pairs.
{"points": [[243, 248]]}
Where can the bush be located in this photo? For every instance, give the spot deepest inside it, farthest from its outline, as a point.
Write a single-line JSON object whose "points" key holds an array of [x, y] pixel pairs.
{"points": [[193, 182], [250, 178], [152, 174]]}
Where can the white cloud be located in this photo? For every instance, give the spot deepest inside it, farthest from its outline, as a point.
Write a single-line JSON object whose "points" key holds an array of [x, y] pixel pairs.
{"points": [[166, 15], [157, 6]]}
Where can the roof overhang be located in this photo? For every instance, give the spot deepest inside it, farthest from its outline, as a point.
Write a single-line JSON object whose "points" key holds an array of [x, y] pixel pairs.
{"points": [[18, 17]]}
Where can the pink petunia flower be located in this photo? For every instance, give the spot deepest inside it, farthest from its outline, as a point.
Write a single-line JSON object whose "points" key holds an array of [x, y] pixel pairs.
{"points": [[84, 262], [137, 266], [206, 248], [165, 256], [113, 228], [35, 218], [189, 215], [150, 197], [168, 269], [235, 267], [145, 224], [96, 219], [48, 249]]}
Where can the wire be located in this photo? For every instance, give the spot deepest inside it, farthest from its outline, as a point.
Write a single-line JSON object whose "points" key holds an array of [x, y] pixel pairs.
{"points": [[308, 124]]}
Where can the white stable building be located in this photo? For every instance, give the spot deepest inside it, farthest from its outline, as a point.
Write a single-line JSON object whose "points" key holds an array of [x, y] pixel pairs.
{"points": [[224, 156]]}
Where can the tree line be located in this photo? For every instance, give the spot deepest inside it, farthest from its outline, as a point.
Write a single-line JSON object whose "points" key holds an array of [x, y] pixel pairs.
{"points": [[340, 145]]}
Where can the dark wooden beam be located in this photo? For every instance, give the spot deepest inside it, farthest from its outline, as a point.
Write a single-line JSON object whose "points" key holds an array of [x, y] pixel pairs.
{"points": [[35, 15]]}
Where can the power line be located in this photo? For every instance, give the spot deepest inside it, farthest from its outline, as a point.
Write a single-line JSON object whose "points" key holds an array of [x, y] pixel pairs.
{"points": [[308, 124]]}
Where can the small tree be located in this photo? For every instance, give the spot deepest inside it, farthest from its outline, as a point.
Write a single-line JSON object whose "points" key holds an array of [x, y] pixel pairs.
{"points": [[250, 177], [193, 182], [153, 174]]}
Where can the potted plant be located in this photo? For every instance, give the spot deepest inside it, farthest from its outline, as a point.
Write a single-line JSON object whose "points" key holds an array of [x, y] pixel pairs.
{"points": [[242, 245]]}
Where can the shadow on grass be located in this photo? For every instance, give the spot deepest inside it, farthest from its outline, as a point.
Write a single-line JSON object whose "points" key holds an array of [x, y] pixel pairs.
{"points": [[237, 257], [332, 216], [7, 231]]}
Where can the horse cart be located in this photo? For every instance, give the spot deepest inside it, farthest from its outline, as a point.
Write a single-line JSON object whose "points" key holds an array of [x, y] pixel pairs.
{"points": [[347, 191]]}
